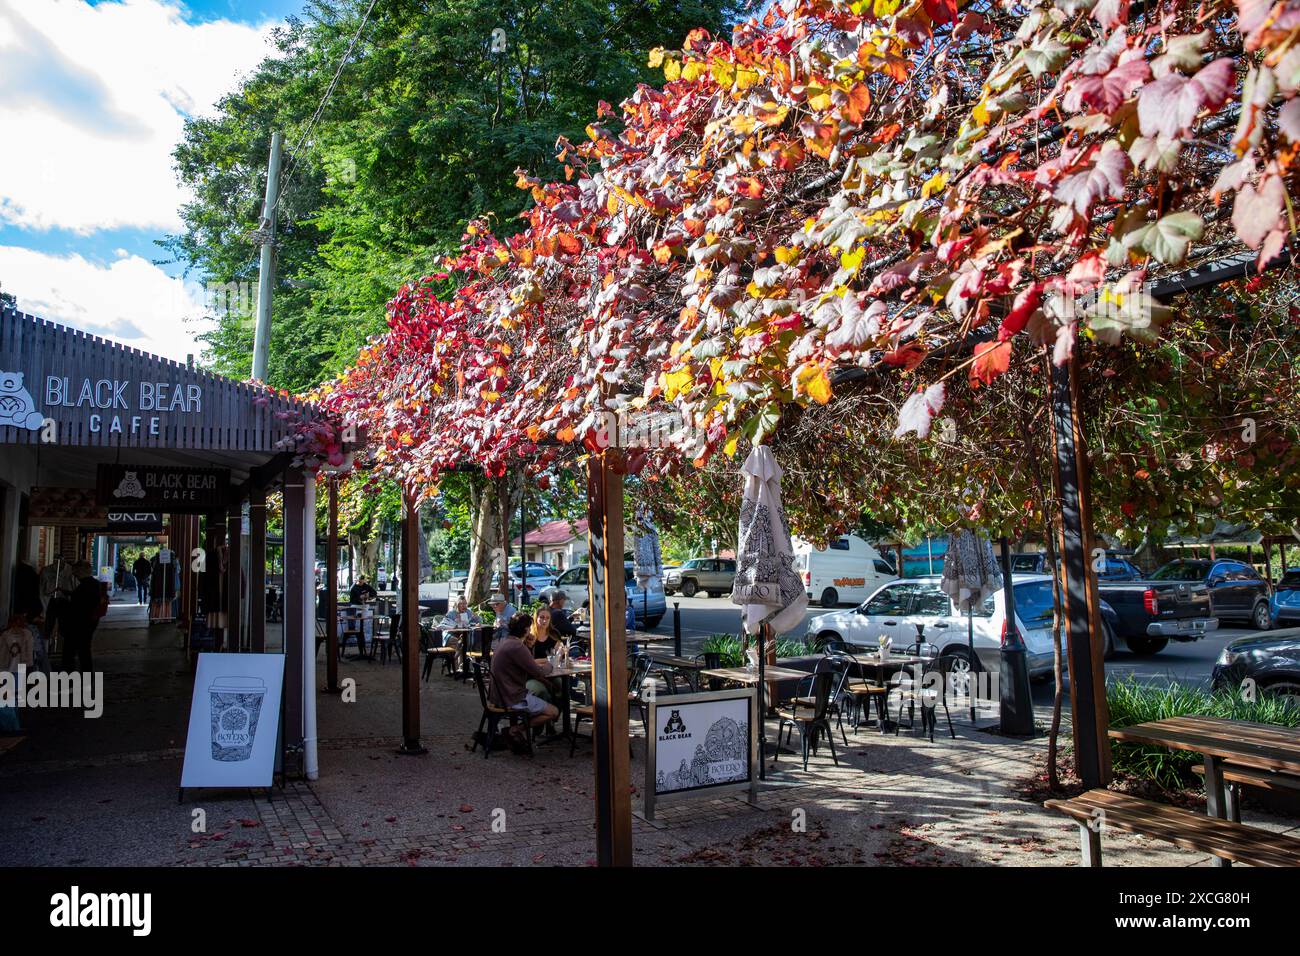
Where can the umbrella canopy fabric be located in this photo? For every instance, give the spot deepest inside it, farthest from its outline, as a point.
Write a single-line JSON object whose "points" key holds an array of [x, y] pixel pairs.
{"points": [[647, 562], [766, 581], [970, 571]]}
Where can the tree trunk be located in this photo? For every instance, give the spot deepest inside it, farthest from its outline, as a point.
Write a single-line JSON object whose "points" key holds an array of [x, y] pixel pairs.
{"points": [[493, 501]]}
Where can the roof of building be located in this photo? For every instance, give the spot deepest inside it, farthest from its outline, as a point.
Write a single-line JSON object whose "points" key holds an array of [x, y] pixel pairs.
{"points": [[555, 532]]}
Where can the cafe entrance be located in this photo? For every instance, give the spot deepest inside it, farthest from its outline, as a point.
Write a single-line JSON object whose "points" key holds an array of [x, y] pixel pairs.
{"points": [[101, 440]]}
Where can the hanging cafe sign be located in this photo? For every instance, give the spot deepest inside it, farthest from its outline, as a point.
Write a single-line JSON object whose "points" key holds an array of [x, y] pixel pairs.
{"points": [[162, 487]]}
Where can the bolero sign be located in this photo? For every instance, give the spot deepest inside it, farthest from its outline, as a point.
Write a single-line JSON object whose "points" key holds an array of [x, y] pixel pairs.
{"points": [[163, 488]]}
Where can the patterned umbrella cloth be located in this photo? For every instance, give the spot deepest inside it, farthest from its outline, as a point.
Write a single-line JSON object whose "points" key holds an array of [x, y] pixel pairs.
{"points": [[647, 563], [970, 571], [766, 581]]}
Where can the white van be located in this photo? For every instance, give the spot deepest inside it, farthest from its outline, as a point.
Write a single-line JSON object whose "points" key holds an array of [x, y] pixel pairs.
{"points": [[847, 572]]}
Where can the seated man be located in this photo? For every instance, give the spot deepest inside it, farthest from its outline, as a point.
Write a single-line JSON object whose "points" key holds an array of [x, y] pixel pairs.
{"points": [[461, 616], [362, 592], [560, 621], [513, 669], [503, 611]]}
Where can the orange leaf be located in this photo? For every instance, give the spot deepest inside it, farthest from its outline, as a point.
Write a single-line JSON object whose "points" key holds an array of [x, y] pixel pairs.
{"points": [[991, 360]]}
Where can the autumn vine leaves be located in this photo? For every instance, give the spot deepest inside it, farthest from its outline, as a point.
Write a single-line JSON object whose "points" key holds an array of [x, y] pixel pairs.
{"points": [[846, 184]]}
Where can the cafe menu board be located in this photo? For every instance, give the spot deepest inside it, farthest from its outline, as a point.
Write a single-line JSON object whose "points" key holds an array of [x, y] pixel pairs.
{"points": [[700, 744], [234, 721]]}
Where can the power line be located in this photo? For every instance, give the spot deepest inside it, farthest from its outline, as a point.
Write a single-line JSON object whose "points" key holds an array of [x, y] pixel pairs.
{"points": [[295, 153]]}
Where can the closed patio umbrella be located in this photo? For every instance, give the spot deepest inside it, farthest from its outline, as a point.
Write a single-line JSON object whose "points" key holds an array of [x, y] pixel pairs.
{"points": [[767, 588], [647, 563], [970, 576]]}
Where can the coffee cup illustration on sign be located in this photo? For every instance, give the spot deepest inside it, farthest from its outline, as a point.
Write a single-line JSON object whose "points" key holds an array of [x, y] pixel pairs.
{"points": [[234, 703]]}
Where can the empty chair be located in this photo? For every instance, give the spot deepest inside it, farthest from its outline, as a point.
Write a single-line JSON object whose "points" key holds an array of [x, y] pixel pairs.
{"points": [[811, 720]]}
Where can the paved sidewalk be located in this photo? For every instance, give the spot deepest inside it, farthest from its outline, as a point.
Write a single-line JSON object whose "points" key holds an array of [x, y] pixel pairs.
{"points": [[72, 793]]}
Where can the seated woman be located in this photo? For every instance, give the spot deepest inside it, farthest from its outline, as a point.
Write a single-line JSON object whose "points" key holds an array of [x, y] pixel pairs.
{"points": [[545, 639], [461, 616], [522, 626]]}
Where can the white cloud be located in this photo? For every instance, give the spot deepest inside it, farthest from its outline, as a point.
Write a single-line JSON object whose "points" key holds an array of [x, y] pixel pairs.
{"points": [[93, 100], [129, 300]]}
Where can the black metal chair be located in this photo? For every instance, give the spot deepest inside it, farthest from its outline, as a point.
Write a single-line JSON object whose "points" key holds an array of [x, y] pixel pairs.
{"points": [[931, 694], [636, 697], [839, 666], [492, 715], [811, 720]]}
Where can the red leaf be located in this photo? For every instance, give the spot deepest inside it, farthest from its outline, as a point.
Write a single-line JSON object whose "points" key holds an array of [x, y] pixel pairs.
{"points": [[992, 359]]}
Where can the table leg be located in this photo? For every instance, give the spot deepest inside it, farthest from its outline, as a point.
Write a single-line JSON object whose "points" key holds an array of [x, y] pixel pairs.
{"points": [[1215, 800]]}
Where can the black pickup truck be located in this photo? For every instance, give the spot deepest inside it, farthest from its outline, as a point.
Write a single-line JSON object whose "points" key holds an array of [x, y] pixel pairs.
{"points": [[1150, 614]]}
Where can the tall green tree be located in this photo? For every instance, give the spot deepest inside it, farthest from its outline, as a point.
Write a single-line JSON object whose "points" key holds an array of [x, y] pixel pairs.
{"points": [[428, 122]]}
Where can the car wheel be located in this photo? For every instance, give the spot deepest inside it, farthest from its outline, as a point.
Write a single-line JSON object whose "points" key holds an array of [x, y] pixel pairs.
{"points": [[1110, 642], [830, 597], [1260, 618], [825, 637], [1285, 689], [964, 666], [689, 587], [653, 622], [1143, 646]]}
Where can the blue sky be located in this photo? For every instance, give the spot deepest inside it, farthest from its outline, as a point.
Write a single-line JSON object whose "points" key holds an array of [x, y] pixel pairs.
{"points": [[98, 90]]}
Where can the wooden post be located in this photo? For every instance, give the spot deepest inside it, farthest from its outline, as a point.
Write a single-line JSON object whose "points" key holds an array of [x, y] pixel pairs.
{"points": [[1268, 560], [609, 658], [332, 591], [298, 623], [234, 580], [257, 570], [1078, 586], [410, 598]]}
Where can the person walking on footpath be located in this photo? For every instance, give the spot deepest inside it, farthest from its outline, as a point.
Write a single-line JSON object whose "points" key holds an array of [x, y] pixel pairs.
{"points": [[82, 618], [142, 569]]}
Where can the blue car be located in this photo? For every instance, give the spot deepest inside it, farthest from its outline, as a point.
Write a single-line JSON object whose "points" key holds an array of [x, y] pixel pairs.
{"points": [[1284, 606]]}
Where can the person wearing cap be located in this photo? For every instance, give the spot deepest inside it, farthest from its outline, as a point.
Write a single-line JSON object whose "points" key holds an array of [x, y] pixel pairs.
{"points": [[561, 623], [503, 611]]}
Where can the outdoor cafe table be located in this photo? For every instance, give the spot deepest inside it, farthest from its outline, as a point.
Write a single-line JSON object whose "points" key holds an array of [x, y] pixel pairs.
{"points": [[566, 674], [743, 675], [1220, 740], [464, 634], [884, 669], [689, 665]]}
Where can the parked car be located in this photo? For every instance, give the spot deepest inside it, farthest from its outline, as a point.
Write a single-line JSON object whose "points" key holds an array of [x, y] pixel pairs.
{"points": [[1118, 566], [649, 605], [847, 571], [537, 579], [1272, 662], [895, 609], [1237, 592], [457, 582], [1151, 613], [714, 575], [1284, 605]]}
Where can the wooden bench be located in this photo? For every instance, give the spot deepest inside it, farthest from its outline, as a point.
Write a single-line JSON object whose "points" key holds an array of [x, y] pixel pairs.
{"points": [[1098, 809], [1235, 776]]}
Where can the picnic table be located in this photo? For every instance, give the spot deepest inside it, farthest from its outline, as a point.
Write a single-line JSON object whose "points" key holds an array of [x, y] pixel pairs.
{"points": [[1225, 744]]}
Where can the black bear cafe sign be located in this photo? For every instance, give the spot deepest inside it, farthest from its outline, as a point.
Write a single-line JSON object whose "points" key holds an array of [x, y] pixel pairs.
{"points": [[162, 488]]}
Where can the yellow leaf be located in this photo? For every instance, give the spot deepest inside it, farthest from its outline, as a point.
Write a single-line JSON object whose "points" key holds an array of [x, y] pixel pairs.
{"points": [[934, 184], [692, 71], [787, 255], [981, 112], [611, 204], [812, 380], [724, 74], [743, 124], [851, 260], [672, 70], [656, 57], [883, 8], [677, 382], [729, 449], [746, 77], [819, 98]]}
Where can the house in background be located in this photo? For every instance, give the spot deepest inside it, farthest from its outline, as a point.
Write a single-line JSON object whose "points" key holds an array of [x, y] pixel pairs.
{"points": [[561, 544]]}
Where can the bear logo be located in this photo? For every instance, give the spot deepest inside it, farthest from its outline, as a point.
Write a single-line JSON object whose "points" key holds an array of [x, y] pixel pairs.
{"points": [[675, 724], [129, 487], [16, 406]]}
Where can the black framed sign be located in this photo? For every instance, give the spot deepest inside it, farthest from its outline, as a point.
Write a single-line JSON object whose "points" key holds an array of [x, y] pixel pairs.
{"points": [[163, 488], [122, 521], [701, 744]]}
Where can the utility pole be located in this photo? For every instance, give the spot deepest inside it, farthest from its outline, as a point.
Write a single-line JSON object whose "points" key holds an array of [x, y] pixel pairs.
{"points": [[266, 268]]}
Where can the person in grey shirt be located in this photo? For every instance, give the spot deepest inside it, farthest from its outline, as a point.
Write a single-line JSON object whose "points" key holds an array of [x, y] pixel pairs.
{"points": [[504, 611]]}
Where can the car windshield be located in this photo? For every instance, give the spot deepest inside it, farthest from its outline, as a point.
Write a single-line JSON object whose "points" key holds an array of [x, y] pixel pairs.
{"points": [[1290, 581], [1182, 571], [1034, 603]]}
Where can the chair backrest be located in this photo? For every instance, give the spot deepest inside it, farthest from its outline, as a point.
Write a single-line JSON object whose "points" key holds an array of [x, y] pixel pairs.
{"points": [[819, 685], [637, 677], [922, 649], [840, 666], [477, 670]]}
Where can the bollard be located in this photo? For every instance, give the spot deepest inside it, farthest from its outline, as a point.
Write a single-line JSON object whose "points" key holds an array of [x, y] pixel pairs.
{"points": [[677, 629]]}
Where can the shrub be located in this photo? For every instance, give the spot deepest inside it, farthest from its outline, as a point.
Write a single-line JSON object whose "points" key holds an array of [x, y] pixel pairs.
{"points": [[729, 647], [1134, 702]]}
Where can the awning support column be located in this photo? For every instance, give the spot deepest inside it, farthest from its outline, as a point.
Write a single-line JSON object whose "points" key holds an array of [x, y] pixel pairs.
{"points": [[257, 570], [609, 659], [332, 591], [298, 624], [410, 598]]}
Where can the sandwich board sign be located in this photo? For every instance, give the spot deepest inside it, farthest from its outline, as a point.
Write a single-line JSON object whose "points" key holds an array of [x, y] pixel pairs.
{"points": [[234, 721], [700, 745]]}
